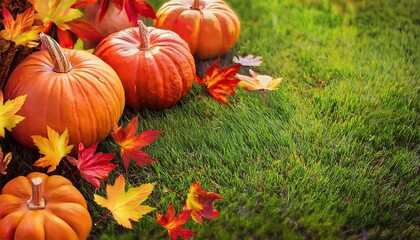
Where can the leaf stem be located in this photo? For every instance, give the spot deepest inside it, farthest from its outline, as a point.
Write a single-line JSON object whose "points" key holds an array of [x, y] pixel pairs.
{"points": [[74, 173], [172, 190], [102, 218]]}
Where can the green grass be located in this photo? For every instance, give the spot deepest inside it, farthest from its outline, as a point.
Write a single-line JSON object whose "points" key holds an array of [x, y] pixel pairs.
{"points": [[332, 154]]}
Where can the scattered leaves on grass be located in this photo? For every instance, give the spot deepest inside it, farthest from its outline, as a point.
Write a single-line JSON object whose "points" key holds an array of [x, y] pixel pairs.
{"points": [[249, 61], [130, 142], [200, 202], [220, 83], [133, 8], [125, 205], [20, 31], [174, 224], [258, 82], [8, 117], [63, 15], [4, 161], [55, 147], [91, 166]]}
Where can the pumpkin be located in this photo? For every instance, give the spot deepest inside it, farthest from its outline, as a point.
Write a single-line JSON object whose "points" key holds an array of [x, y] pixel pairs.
{"points": [[210, 27], [114, 20], [65, 88], [41, 207], [155, 66]]}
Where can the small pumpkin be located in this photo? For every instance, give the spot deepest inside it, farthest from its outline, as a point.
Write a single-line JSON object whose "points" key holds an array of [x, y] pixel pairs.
{"points": [[155, 66], [210, 27], [41, 207], [65, 88]]}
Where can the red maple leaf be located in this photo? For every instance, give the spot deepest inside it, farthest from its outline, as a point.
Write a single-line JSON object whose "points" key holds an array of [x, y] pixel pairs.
{"points": [[220, 83], [130, 142], [132, 8], [174, 224], [200, 202], [91, 166]]}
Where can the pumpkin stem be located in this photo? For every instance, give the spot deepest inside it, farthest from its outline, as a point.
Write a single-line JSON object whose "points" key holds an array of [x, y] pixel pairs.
{"points": [[196, 5], [61, 61], [37, 201], [144, 36]]}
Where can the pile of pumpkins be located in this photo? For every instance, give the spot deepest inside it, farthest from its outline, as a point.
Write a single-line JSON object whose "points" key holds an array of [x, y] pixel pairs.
{"points": [[140, 67]]}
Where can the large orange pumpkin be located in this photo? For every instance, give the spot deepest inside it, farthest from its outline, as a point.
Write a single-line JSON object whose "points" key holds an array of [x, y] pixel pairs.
{"points": [[155, 66], [41, 207], [66, 88], [210, 27]]}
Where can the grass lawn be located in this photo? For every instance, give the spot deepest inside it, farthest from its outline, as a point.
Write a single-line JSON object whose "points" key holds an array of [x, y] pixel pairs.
{"points": [[332, 154]]}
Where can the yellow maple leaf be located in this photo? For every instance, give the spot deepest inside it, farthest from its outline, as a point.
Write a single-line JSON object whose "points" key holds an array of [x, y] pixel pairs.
{"points": [[55, 147], [258, 81], [125, 205], [56, 11], [8, 119], [20, 31]]}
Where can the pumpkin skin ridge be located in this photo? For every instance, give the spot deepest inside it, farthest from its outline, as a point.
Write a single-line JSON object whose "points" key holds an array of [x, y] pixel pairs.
{"points": [[98, 87], [174, 48], [189, 29], [90, 105], [53, 83], [181, 74], [225, 28], [163, 72], [71, 213], [8, 224], [67, 216], [168, 72], [209, 45], [35, 229]]}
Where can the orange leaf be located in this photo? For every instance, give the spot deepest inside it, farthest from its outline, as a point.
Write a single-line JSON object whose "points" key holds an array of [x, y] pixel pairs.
{"points": [[65, 39], [93, 166], [4, 162], [83, 3], [220, 83], [8, 117], [258, 82], [174, 224], [200, 203], [84, 30], [130, 143], [125, 205], [20, 31], [55, 147]]}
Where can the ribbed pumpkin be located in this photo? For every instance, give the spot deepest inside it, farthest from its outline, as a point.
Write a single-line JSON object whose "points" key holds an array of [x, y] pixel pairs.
{"points": [[155, 66], [65, 88], [210, 27], [41, 207]]}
